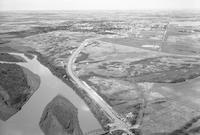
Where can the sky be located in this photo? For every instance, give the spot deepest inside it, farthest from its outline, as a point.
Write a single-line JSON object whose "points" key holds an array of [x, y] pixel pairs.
{"points": [[98, 4]]}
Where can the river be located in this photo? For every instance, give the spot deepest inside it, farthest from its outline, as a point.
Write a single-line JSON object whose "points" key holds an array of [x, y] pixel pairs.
{"points": [[26, 121]]}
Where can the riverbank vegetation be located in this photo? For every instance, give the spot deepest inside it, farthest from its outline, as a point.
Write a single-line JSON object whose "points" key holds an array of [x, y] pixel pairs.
{"points": [[17, 85]]}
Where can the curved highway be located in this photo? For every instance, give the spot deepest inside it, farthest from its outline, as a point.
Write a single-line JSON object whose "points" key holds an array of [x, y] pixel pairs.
{"points": [[119, 123]]}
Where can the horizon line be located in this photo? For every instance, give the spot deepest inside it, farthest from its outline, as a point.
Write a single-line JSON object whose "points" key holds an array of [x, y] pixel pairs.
{"points": [[152, 9]]}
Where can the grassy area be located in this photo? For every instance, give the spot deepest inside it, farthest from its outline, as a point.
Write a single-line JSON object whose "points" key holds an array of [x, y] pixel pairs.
{"points": [[82, 56], [66, 115], [6, 49], [11, 58], [17, 84], [34, 31], [13, 81], [165, 69]]}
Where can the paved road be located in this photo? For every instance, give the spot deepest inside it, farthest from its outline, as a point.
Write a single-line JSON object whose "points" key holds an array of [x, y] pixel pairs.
{"points": [[118, 121], [164, 38]]}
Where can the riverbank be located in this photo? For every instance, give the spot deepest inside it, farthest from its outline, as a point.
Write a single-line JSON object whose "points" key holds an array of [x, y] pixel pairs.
{"points": [[10, 58], [62, 75]]}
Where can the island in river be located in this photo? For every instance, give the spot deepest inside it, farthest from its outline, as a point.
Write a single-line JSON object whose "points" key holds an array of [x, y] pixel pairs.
{"points": [[60, 117], [17, 84]]}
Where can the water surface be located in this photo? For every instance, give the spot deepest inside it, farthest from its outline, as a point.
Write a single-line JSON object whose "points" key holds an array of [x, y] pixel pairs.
{"points": [[26, 121]]}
